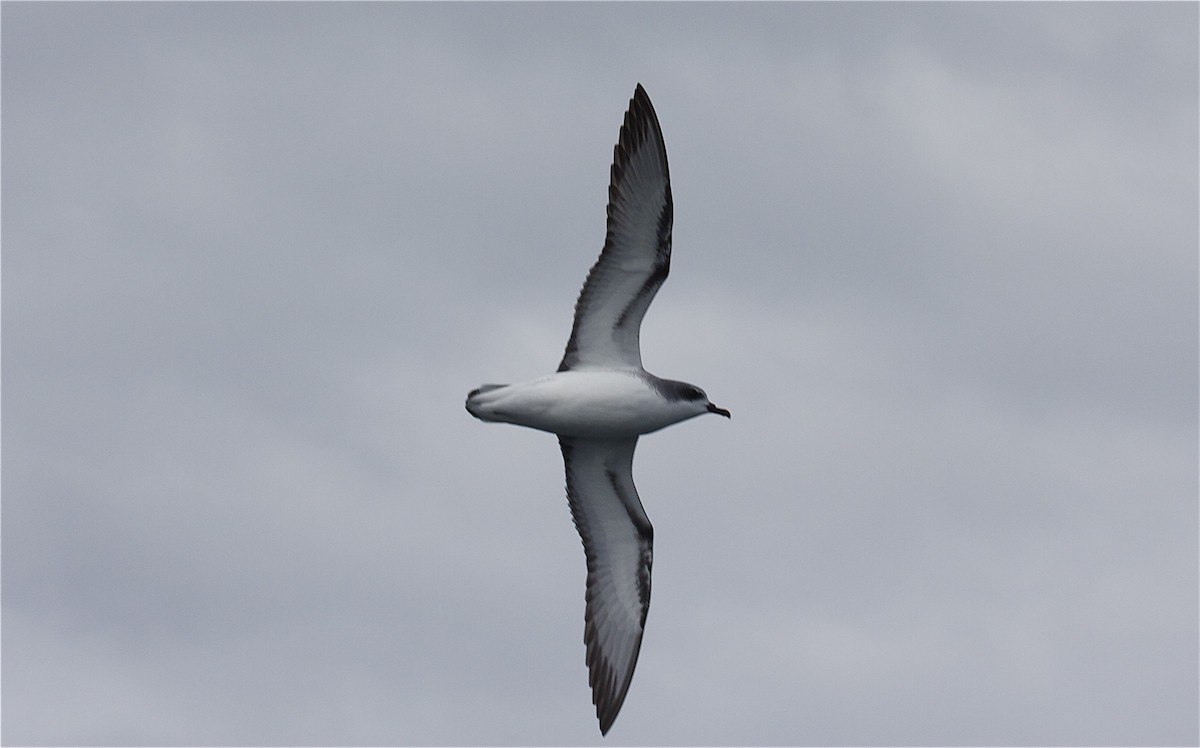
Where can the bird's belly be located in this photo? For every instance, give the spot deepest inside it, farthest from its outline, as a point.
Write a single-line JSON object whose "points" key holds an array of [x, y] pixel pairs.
{"points": [[606, 405]]}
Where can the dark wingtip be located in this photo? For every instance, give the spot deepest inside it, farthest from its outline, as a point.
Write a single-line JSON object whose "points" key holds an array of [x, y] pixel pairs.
{"points": [[607, 714], [642, 99]]}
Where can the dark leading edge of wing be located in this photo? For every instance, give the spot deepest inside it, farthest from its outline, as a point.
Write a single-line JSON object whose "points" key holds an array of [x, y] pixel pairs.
{"points": [[637, 249], [618, 542]]}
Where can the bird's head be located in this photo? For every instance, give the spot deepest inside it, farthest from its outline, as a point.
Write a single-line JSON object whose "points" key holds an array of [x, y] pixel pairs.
{"points": [[695, 396]]}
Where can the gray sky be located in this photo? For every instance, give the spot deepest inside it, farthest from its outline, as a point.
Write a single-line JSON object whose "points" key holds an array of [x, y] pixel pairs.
{"points": [[939, 260]]}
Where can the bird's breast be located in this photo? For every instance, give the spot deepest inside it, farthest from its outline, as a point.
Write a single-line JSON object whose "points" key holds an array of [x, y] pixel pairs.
{"points": [[606, 404]]}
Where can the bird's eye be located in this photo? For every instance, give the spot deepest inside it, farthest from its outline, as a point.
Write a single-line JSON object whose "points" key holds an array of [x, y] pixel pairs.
{"points": [[691, 393]]}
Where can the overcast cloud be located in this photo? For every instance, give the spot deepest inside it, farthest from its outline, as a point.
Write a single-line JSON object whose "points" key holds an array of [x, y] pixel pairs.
{"points": [[939, 260]]}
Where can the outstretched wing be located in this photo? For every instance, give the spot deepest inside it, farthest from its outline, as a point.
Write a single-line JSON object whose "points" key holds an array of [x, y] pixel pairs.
{"points": [[618, 542], [637, 249]]}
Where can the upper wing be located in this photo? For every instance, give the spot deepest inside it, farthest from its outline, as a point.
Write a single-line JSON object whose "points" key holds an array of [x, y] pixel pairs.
{"points": [[618, 541], [637, 248]]}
